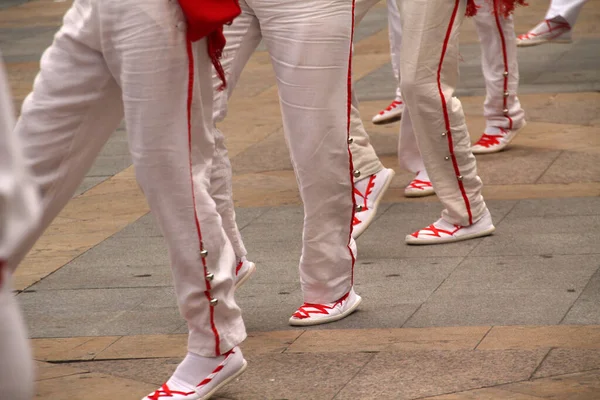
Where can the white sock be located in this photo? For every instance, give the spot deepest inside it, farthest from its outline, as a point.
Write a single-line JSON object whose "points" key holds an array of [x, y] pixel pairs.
{"points": [[192, 370], [422, 176]]}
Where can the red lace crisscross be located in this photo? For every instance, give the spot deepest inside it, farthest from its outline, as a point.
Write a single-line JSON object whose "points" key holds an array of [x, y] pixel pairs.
{"points": [[561, 27], [209, 378], [368, 191], [355, 221], [392, 105], [419, 184], [435, 231], [164, 391], [487, 140], [305, 310]]}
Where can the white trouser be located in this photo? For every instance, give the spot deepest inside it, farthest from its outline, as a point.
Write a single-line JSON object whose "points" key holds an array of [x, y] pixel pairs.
{"points": [[567, 9], [116, 58], [502, 108], [312, 77], [364, 158], [395, 38], [429, 64], [19, 213]]}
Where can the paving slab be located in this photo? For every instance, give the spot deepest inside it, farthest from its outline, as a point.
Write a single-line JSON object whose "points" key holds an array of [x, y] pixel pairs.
{"points": [[484, 306], [586, 309], [410, 375], [581, 386], [568, 361]]}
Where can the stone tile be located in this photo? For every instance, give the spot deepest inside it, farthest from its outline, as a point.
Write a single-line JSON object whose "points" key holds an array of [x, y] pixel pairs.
{"points": [[540, 191], [562, 108], [483, 394], [568, 361], [266, 189], [71, 349], [397, 281], [145, 346], [246, 216], [573, 167], [410, 375], [582, 386], [92, 386], [386, 340], [154, 371], [524, 166], [484, 306], [145, 226], [374, 21], [562, 273], [66, 313], [538, 235], [46, 371], [295, 376], [106, 166], [253, 159], [529, 337], [86, 221], [555, 207], [552, 136], [89, 183], [586, 309], [80, 275]]}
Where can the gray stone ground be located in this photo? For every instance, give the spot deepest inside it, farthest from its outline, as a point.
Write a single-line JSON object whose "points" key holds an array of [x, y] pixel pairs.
{"points": [[542, 266]]}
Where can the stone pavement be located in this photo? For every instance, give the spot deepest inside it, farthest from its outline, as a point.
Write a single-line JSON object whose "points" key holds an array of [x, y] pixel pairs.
{"points": [[512, 316]]}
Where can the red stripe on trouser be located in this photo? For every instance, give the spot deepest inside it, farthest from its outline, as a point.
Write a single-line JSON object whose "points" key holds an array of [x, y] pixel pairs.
{"points": [[505, 59], [445, 109], [190, 93], [349, 108]]}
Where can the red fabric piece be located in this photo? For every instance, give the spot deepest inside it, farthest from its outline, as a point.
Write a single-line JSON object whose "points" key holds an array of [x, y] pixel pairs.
{"points": [[501, 7], [205, 18]]}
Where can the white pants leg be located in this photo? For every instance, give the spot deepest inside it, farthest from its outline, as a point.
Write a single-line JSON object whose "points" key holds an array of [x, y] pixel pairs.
{"points": [[130, 57], [313, 79], [364, 158], [19, 213], [502, 108], [567, 9], [429, 65], [243, 36], [395, 37], [16, 362]]}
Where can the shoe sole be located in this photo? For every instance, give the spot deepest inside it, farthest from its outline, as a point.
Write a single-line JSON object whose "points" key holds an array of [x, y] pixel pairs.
{"points": [[388, 120], [225, 382], [419, 193], [309, 322], [529, 44], [366, 223], [416, 241], [246, 276], [511, 137]]}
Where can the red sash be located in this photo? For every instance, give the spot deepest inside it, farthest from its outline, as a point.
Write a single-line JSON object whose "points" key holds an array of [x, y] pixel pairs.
{"points": [[205, 18], [501, 7]]}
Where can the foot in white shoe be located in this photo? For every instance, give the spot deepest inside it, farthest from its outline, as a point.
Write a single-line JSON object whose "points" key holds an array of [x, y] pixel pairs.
{"points": [[314, 314], [420, 186], [391, 113], [243, 270], [442, 231], [368, 193], [214, 373], [557, 31], [494, 141]]}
